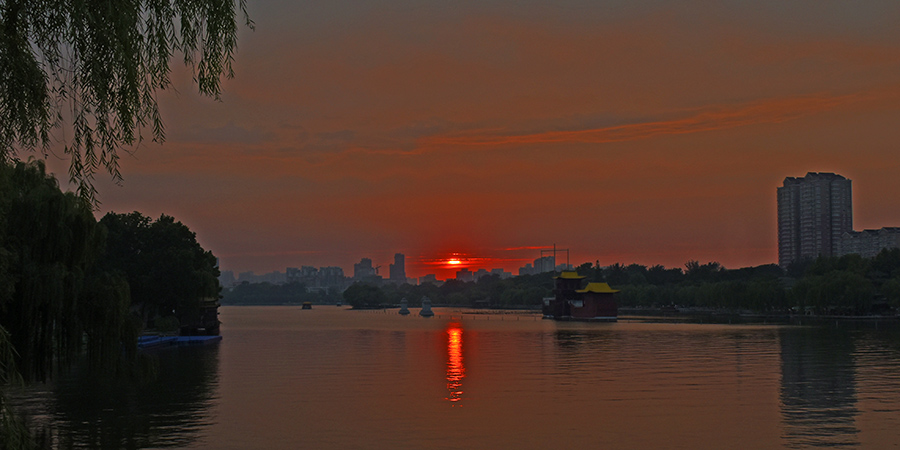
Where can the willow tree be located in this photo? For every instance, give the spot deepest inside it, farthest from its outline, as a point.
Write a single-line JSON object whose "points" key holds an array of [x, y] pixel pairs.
{"points": [[93, 68], [50, 241]]}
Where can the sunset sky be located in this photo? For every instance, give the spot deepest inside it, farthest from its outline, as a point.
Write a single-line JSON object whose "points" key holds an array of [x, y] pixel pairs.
{"points": [[626, 131]]}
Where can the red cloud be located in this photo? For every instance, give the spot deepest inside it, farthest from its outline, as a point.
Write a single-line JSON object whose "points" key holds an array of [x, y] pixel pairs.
{"points": [[765, 111]]}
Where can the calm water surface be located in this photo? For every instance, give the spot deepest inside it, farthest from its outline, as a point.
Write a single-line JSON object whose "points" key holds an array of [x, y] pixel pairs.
{"points": [[330, 378]]}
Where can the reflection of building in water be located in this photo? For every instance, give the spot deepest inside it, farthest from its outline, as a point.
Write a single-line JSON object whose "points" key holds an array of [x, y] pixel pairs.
{"points": [[818, 388], [456, 371]]}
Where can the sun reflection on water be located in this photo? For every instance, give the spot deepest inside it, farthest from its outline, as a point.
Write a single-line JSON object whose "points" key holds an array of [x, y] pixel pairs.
{"points": [[456, 371]]}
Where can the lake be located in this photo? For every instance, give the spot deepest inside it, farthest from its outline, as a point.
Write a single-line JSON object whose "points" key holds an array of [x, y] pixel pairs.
{"points": [[332, 378]]}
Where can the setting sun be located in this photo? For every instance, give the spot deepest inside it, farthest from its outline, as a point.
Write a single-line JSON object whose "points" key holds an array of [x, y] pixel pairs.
{"points": [[454, 262]]}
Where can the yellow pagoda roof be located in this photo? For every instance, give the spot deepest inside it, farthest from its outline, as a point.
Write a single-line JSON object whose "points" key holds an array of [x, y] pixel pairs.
{"points": [[598, 288], [570, 275]]}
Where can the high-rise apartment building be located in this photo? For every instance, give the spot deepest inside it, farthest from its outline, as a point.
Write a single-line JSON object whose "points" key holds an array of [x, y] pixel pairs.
{"points": [[813, 214]]}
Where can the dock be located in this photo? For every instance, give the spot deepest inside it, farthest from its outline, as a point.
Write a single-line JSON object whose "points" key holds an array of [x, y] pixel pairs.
{"points": [[149, 341]]}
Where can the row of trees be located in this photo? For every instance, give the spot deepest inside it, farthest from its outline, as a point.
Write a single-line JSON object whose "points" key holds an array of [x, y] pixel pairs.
{"points": [[850, 284], [71, 285], [846, 285], [840, 285], [276, 294], [706, 285]]}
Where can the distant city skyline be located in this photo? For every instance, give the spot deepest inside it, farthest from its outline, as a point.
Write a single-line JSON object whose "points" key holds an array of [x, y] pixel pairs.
{"points": [[455, 266]]}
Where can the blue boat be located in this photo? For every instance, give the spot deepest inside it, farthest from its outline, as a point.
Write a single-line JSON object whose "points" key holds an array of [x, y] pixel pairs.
{"points": [[155, 340]]}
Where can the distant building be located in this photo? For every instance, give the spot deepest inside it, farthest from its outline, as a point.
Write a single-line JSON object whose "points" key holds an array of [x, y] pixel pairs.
{"points": [[430, 278], [398, 269], [304, 274], [545, 264], [324, 279], [465, 274], [527, 269], [594, 302], [541, 265], [363, 269], [331, 276], [814, 212], [868, 243], [275, 277], [500, 273], [246, 277], [226, 278]]}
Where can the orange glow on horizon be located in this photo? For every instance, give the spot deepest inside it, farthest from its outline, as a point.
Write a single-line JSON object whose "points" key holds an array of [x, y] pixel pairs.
{"points": [[446, 264], [462, 154]]}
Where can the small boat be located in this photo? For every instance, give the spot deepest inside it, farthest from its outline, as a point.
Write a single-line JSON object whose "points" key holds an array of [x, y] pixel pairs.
{"points": [[155, 340]]}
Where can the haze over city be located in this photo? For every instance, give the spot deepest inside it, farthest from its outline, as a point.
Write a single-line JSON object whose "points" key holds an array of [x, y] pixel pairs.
{"points": [[646, 132]]}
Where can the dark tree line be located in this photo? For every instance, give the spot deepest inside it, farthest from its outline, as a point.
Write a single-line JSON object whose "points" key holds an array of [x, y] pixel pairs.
{"points": [[69, 283], [53, 294], [275, 294], [487, 291], [848, 285], [71, 286], [167, 270], [707, 285]]}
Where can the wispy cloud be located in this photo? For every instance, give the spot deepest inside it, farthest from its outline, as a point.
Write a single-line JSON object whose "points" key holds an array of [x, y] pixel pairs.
{"points": [[272, 253], [710, 119]]}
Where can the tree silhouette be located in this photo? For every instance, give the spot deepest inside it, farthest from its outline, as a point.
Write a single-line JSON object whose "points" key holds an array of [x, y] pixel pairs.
{"points": [[94, 68]]}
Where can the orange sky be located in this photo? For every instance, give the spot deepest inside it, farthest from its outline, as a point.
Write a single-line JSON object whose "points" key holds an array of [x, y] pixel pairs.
{"points": [[626, 131]]}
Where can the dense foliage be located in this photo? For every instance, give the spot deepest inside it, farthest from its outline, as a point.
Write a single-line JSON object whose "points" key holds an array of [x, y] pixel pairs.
{"points": [[95, 67], [53, 298], [70, 286], [364, 295], [277, 294], [168, 272], [850, 284]]}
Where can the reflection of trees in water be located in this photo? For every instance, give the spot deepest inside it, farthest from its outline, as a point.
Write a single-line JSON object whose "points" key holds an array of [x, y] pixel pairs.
{"points": [[576, 353], [818, 387], [169, 411]]}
